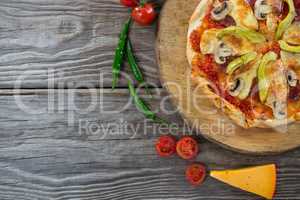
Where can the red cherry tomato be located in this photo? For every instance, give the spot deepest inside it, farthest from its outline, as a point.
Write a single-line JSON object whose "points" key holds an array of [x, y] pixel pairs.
{"points": [[187, 148], [129, 3], [144, 14], [195, 174], [166, 145]]}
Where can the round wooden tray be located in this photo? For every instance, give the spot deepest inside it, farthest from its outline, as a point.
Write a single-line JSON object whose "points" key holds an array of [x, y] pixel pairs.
{"points": [[200, 113]]}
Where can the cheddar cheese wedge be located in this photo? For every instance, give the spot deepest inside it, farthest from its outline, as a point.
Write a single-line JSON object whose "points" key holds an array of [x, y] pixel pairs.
{"points": [[259, 180]]}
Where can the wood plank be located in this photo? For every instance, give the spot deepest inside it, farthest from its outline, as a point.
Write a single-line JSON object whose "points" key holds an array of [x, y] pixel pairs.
{"points": [[66, 43], [43, 156]]}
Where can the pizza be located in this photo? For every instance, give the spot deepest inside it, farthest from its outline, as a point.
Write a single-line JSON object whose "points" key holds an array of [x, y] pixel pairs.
{"points": [[245, 54]]}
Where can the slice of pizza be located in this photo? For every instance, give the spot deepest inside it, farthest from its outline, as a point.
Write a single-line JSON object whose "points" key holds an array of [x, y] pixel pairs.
{"points": [[246, 55]]}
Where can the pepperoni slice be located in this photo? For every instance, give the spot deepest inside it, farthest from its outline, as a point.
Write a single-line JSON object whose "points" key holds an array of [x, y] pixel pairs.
{"points": [[297, 7], [294, 93], [228, 21], [251, 2]]}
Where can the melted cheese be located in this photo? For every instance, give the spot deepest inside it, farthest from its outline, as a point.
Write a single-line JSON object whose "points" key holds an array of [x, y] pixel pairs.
{"points": [[248, 76], [243, 15], [271, 26], [209, 42], [278, 90], [292, 34], [273, 18], [259, 180], [239, 45], [290, 59]]}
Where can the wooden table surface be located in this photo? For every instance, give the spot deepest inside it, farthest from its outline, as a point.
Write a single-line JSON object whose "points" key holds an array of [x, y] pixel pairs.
{"points": [[60, 123]]}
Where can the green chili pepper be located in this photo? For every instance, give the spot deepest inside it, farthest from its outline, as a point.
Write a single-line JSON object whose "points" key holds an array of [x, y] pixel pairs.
{"points": [[134, 66], [142, 106], [119, 53], [142, 2]]}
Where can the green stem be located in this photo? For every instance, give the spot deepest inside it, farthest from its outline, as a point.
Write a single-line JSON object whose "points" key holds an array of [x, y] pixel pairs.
{"points": [[143, 106], [142, 2]]}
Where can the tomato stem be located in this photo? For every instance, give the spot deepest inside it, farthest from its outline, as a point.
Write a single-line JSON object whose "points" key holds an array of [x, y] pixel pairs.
{"points": [[142, 2]]}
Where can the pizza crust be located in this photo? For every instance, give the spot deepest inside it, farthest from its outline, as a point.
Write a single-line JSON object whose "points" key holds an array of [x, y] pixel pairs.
{"points": [[230, 110], [195, 22]]}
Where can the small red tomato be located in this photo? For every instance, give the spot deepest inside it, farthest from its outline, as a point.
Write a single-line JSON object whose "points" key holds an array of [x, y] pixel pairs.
{"points": [[187, 148], [166, 145], [144, 14], [195, 174], [129, 3]]}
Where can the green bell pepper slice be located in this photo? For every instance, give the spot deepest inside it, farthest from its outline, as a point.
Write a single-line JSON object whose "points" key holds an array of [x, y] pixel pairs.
{"points": [[290, 48], [238, 62], [263, 81], [251, 35], [287, 21]]}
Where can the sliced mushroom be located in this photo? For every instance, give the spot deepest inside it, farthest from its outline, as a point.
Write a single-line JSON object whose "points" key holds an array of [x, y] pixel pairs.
{"points": [[248, 77], [236, 87], [279, 110], [222, 51], [241, 86], [262, 9], [221, 10], [292, 78], [220, 59]]}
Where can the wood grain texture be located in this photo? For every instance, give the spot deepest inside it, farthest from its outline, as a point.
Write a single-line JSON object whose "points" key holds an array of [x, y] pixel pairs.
{"points": [[198, 107], [66, 43], [44, 156], [46, 148]]}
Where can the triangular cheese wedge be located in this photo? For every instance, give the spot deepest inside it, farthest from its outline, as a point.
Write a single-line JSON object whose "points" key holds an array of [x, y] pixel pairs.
{"points": [[259, 180]]}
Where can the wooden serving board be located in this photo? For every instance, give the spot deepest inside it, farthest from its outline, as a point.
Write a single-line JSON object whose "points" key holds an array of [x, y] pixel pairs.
{"points": [[198, 111]]}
